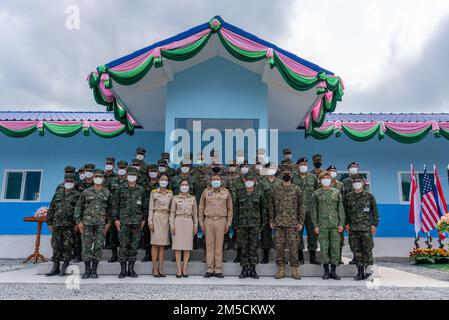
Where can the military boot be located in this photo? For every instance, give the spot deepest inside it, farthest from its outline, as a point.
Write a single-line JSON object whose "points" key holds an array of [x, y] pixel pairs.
{"points": [[360, 274], [244, 273], [55, 270], [301, 256], [266, 256], [295, 273], [237, 258], [252, 272], [147, 256], [131, 272], [87, 269], [334, 274], [352, 261], [64, 268], [93, 273], [123, 270], [281, 273], [114, 257], [313, 259], [366, 273], [326, 275], [77, 255]]}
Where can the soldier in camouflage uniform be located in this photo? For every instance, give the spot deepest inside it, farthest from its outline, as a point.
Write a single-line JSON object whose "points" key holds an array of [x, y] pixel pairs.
{"points": [[308, 183], [231, 177], [288, 160], [286, 216], [328, 218], [362, 219], [250, 213], [165, 156], [184, 174], [317, 163], [130, 205], [93, 218], [61, 224], [109, 172], [140, 155], [267, 183], [153, 183], [81, 175]]}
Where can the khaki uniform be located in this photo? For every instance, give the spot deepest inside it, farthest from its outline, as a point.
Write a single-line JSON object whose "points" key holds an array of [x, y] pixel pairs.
{"points": [[159, 212], [183, 217], [215, 213]]}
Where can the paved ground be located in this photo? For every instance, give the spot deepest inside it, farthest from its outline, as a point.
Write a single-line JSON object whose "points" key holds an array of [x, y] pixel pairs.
{"points": [[395, 281]]}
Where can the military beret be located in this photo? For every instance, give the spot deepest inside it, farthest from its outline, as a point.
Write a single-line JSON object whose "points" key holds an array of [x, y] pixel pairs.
{"points": [[165, 155], [89, 167], [316, 158], [98, 173], [358, 176], [110, 160], [286, 150], [331, 167], [162, 162], [69, 169], [141, 150], [250, 175], [303, 159], [353, 164], [323, 174], [122, 164], [132, 171], [69, 177]]}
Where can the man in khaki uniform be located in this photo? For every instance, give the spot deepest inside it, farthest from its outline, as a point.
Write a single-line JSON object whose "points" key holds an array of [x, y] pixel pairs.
{"points": [[215, 217]]}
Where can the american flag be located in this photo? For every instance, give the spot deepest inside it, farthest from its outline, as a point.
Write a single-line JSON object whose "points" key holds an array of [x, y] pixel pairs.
{"points": [[429, 208]]}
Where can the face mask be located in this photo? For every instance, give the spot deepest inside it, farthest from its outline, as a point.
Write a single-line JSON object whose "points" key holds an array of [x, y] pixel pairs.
{"points": [[303, 169], [353, 170], [288, 156], [162, 169], [286, 177], [258, 167], [108, 167], [69, 185], [245, 170], [185, 169], [317, 165], [184, 189], [216, 184], [333, 174], [89, 174], [249, 184], [98, 181], [357, 185], [326, 182], [232, 169], [153, 175], [271, 172], [132, 178], [121, 172], [163, 183], [82, 176], [140, 157]]}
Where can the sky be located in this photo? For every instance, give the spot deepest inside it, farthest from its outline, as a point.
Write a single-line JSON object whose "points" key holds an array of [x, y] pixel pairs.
{"points": [[393, 56]]}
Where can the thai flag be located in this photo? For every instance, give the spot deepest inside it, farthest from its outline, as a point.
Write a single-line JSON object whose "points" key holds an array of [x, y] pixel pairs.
{"points": [[415, 203], [439, 197]]}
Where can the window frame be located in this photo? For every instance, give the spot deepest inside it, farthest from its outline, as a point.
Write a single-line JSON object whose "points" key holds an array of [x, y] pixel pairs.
{"points": [[417, 173], [22, 186]]}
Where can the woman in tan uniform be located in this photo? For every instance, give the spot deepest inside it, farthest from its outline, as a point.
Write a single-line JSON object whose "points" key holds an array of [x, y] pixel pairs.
{"points": [[158, 222], [183, 225]]}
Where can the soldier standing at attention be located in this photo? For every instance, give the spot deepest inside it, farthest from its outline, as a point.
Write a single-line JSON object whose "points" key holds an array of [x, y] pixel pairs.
{"points": [[81, 175], [61, 224], [129, 207], [328, 218], [215, 218], [231, 177], [288, 160], [140, 155], [362, 219], [251, 213], [287, 219], [109, 172], [166, 157], [93, 218], [317, 163], [308, 183]]}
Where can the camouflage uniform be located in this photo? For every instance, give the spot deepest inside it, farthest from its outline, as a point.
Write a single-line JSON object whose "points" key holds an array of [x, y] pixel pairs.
{"points": [[108, 176], [175, 183], [316, 171], [267, 187]]}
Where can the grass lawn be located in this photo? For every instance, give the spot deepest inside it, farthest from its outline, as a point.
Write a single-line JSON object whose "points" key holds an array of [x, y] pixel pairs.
{"points": [[442, 267]]}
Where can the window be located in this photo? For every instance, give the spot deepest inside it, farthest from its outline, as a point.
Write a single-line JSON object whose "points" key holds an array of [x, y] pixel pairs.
{"points": [[21, 185], [404, 179]]}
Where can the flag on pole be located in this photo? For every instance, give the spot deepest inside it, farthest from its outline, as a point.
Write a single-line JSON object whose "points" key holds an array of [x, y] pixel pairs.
{"points": [[415, 203], [439, 197], [429, 207]]}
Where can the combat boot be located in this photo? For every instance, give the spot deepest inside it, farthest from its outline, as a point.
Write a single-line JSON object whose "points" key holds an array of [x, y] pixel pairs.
{"points": [[114, 257], [266, 256], [301, 256], [334, 274], [87, 269], [55, 270], [295, 273], [244, 273], [237, 258], [252, 272], [147, 256], [326, 275], [360, 274], [93, 273], [313, 259], [281, 273], [131, 272], [123, 270], [64, 268]]}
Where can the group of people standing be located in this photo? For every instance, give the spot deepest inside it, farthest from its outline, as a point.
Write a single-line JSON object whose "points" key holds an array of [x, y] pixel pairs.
{"points": [[156, 206]]}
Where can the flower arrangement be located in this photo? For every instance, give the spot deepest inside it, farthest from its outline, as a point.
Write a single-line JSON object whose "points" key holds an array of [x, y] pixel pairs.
{"points": [[443, 224], [41, 212], [429, 256]]}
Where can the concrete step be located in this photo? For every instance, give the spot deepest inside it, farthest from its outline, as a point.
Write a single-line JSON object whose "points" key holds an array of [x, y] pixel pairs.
{"points": [[198, 268]]}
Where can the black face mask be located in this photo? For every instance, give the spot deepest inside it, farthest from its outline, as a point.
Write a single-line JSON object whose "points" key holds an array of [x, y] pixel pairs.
{"points": [[286, 177], [317, 165]]}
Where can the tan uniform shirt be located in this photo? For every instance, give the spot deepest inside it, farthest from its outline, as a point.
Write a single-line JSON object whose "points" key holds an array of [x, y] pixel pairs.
{"points": [[184, 206], [159, 201], [215, 204]]}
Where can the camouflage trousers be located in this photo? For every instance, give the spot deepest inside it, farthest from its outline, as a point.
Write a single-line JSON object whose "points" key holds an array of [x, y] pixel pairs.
{"points": [[145, 237], [312, 239], [92, 240], [62, 243], [129, 237], [112, 237], [362, 245], [330, 240], [266, 237], [247, 243], [77, 243], [286, 237]]}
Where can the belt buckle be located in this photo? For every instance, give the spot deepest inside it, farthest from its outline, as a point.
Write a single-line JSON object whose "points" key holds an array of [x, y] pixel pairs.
{"points": [[215, 218]]}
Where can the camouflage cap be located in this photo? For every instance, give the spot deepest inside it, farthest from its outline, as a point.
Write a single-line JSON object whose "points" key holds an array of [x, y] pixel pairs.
{"points": [[303, 159], [69, 177], [132, 171], [152, 167], [122, 164], [136, 162], [331, 167], [69, 169], [98, 173], [286, 151], [165, 155], [358, 177], [250, 176], [162, 162], [353, 164], [110, 160], [316, 158], [89, 167], [323, 174], [286, 168], [81, 169], [141, 150]]}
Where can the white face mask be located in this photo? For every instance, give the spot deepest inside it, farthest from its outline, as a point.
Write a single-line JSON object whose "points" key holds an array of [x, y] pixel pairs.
{"points": [[184, 189], [69, 185], [121, 172], [185, 169], [132, 178], [89, 174], [333, 174], [108, 167], [98, 181], [249, 184], [271, 172], [162, 169], [153, 175], [82, 176], [357, 185], [245, 170], [326, 182], [140, 157], [259, 167], [303, 169], [353, 170], [163, 183], [216, 184]]}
